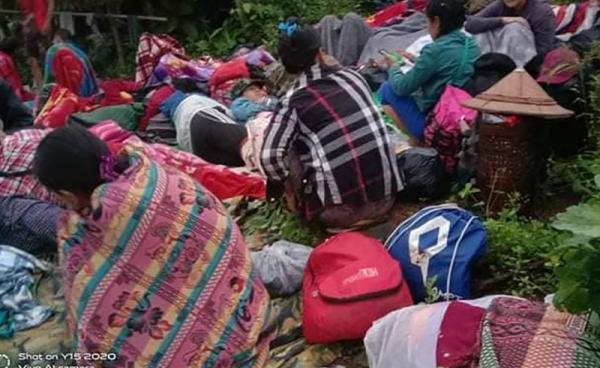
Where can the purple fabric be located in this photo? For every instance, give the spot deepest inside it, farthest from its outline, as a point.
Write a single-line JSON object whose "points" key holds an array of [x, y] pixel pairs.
{"points": [[259, 57], [171, 66], [537, 12]]}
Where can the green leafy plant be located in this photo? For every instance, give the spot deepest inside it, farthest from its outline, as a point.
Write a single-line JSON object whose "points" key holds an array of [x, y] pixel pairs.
{"points": [[582, 173], [468, 197], [518, 255], [577, 271], [576, 261], [275, 223]]}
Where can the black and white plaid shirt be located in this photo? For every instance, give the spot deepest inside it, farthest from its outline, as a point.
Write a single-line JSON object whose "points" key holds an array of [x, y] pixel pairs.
{"points": [[330, 120]]}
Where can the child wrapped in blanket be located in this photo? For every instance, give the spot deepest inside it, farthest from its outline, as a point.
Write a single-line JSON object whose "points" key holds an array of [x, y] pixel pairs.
{"points": [[250, 98]]}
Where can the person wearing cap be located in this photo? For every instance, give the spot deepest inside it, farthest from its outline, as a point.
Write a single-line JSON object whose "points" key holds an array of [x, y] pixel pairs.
{"points": [[327, 147], [250, 97], [536, 15]]}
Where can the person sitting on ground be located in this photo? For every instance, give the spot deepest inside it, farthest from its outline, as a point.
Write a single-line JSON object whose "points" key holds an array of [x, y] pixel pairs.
{"points": [[250, 98], [408, 98], [154, 268], [327, 144], [14, 115], [17, 152], [536, 15], [68, 66]]}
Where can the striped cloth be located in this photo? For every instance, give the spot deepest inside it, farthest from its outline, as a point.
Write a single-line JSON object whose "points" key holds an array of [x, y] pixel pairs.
{"points": [[329, 119], [159, 275], [16, 161], [572, 19], [150, 49], [522, 334]]}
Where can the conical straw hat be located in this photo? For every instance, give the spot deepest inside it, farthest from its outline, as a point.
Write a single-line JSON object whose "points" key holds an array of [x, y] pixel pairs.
{"points": [[518, 94]]}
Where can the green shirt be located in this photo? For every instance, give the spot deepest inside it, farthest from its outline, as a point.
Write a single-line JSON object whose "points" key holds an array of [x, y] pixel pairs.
{"points": [[437, 66]]}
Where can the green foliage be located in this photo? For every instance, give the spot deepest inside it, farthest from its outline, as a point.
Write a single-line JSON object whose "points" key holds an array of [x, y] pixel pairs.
{"points": [[578, 273], [576, 261], [468, 197], [589, 92], [581, 220], [275, 223], [433, 293], [518, 254], [582, 173], [102, 54], [255, 21]]}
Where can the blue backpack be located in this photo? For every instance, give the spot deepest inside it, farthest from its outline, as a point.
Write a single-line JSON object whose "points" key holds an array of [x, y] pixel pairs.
{"points": [[440, 242]]}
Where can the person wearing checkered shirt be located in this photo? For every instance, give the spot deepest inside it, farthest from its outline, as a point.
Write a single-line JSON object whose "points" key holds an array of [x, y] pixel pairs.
{"points": [[327, 146], [17, 151]]}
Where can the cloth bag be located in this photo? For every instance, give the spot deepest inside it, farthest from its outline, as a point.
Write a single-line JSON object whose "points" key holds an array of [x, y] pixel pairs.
{"points": [[439, 243], [281, 267], [451, 121], [349, 283], [424, 174]]}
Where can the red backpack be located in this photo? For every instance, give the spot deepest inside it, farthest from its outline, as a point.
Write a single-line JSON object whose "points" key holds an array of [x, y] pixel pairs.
{"points": [[350, 282]]}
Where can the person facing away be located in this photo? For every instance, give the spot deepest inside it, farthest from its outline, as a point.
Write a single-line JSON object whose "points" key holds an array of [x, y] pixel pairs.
{"points": [[69, 66], [327, 144], [409, 97], [534, 14], [155, 270]]}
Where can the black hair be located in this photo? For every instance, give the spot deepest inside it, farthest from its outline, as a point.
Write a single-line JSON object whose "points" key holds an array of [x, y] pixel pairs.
{"points": [[64, 34], [10, 45], [69, 159], [452, 14], [298, 49]]}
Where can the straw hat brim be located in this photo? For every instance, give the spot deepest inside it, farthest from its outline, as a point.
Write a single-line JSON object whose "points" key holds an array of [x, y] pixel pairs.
{"points": [[553, 111]]}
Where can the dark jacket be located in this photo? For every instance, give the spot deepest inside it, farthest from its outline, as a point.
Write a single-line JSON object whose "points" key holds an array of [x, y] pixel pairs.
{"points": [[13, 113]]}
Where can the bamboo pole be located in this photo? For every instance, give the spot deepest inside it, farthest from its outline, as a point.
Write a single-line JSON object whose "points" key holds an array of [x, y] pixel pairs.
{"points": [[79, 14]]}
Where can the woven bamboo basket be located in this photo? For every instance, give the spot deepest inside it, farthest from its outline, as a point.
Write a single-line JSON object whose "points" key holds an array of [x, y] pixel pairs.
{"points": [[508, 162]]}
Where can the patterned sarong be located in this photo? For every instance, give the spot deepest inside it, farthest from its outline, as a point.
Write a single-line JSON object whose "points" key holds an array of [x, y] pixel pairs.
{"points": [[522, 334], [159, 275]]}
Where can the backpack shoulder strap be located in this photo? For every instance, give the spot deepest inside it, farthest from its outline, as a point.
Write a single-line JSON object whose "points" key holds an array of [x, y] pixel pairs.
{"points": [[463, 61]]}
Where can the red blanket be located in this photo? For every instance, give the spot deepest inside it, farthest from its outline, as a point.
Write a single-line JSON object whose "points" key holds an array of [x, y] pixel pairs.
{"points": [[222, 181], [10, 73]]}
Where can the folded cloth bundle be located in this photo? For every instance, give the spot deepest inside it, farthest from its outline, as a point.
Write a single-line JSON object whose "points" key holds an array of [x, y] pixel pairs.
{"points": [[18, 310]]}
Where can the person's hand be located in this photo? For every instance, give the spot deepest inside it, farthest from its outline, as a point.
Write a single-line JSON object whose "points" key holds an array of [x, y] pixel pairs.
{"points": [[388, 61], [407, 55], [519, 20]]}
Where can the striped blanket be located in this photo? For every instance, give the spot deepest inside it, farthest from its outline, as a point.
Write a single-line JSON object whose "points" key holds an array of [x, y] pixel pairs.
{"points": [[159, 275], [572, 19], [522, 334], [150, 49]]}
